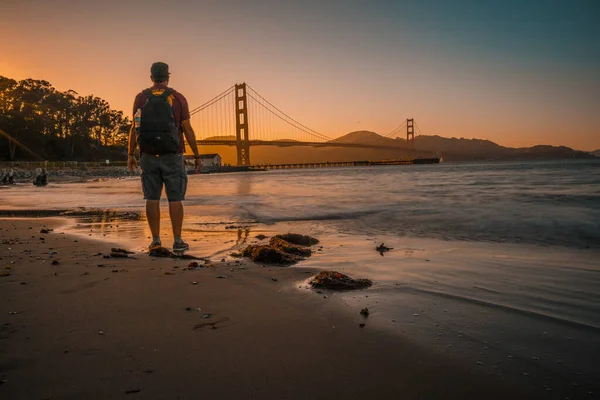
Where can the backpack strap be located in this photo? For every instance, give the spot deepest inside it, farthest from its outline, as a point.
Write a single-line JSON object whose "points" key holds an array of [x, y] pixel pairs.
{"points": [[166, 93]]}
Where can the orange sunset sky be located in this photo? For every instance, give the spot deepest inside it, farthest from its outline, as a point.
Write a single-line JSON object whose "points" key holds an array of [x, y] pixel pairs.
{"points": [[519, 73]]}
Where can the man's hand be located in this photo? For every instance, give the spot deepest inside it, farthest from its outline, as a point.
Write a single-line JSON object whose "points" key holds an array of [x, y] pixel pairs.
{"points": [[197, 165], [131, 163]]}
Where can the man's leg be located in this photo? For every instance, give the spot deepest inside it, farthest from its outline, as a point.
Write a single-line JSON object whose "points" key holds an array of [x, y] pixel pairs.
{"points": [[152, 184], [175, 178], [176, 214], [153, 215]]}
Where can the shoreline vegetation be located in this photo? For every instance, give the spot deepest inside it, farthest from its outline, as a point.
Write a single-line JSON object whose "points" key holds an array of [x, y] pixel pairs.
{"points": [[39, 122], [65, 305]]}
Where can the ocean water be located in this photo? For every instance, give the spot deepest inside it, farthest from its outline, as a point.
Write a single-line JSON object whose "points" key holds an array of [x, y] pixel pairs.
{"points": [[541, 203], [496, 264]]}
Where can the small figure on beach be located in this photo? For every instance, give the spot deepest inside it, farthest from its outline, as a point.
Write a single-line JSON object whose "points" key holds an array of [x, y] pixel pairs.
{"points": [[161, 120], [7, 178], [41, 178]]}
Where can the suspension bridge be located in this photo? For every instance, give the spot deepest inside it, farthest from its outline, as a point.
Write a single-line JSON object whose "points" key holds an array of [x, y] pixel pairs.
{"points": [[230, 119]]}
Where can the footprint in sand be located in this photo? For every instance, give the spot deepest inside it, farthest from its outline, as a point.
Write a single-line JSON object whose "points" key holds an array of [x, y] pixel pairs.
{"points": [[210, 325], [7, 330]]}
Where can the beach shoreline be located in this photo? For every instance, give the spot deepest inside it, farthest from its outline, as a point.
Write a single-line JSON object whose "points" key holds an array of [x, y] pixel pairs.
{"points": [[78, 329]]}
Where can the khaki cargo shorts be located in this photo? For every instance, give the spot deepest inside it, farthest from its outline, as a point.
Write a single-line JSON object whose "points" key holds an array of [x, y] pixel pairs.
{"points": [[168, 170]]}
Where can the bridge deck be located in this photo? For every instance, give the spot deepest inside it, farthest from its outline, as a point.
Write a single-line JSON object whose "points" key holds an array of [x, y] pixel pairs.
{"points": [[349, 163], [290, 143]]}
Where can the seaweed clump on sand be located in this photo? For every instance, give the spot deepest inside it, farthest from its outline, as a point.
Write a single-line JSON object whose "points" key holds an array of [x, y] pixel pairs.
{"points": [[337, 281], [101, 215], [283, 249], [166, 253]]}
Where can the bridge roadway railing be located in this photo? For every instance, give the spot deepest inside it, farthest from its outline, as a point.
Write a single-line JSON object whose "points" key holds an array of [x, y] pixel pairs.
{"points": [[333, 164]]}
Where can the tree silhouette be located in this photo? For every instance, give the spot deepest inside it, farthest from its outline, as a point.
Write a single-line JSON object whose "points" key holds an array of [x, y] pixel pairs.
{"points": [[57, 125]]}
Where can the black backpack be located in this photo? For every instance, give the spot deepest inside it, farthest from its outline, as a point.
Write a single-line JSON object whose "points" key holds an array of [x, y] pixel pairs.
{"points": [[158, 132]]}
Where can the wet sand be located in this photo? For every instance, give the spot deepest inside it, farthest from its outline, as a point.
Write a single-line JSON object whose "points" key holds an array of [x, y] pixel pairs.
{"points": [[124, 330]]}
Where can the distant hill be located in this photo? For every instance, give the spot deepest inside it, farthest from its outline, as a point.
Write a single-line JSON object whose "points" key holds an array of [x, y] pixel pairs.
{"points": [[365, 137], [596, 153], [477, 149], [464, 149]]}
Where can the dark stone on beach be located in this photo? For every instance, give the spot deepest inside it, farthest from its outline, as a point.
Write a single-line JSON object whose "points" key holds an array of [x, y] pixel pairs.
{"points": [[55, 262], [193, 265], [274, 279], [295, 238], [282, 249], [132, 391], [364, 312], [121, 251], [46, 230], [338, 281], [269, 255], [261, 237], [118, 255], [383, 248], [291, 248], [361, 325]]}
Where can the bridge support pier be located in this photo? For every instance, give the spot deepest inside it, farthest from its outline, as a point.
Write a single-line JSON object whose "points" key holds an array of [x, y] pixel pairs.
{"points": [[241, 125]]}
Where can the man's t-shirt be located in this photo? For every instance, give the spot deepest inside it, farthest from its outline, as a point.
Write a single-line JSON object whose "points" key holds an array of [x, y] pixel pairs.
{"points": [[181, 110]]}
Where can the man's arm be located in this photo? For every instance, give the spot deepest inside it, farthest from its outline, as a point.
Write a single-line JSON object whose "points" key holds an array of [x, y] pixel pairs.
{"points": [[132, 145], [190, 136], [132, 142]]}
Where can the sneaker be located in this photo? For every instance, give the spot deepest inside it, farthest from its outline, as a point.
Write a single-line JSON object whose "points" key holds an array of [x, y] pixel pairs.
{"points": [[154, 245], [180, 246]]}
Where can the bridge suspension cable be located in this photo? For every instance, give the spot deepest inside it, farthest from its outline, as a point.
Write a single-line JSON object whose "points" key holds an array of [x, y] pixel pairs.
{"points": [[396, 131], [299, 129], [419, 129], [216, 117], [212, 101], [216, 120]]}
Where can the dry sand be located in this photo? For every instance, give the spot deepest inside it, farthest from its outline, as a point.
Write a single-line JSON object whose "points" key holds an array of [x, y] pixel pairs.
{"points": [[80, 331]]}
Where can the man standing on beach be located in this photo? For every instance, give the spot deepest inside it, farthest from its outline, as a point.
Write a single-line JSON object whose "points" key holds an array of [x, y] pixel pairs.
{"points": [[161, 119]]}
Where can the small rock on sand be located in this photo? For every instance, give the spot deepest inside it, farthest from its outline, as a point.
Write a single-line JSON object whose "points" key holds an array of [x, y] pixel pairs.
{"points": [[283, 249], [337, 281], [382, 248]]}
